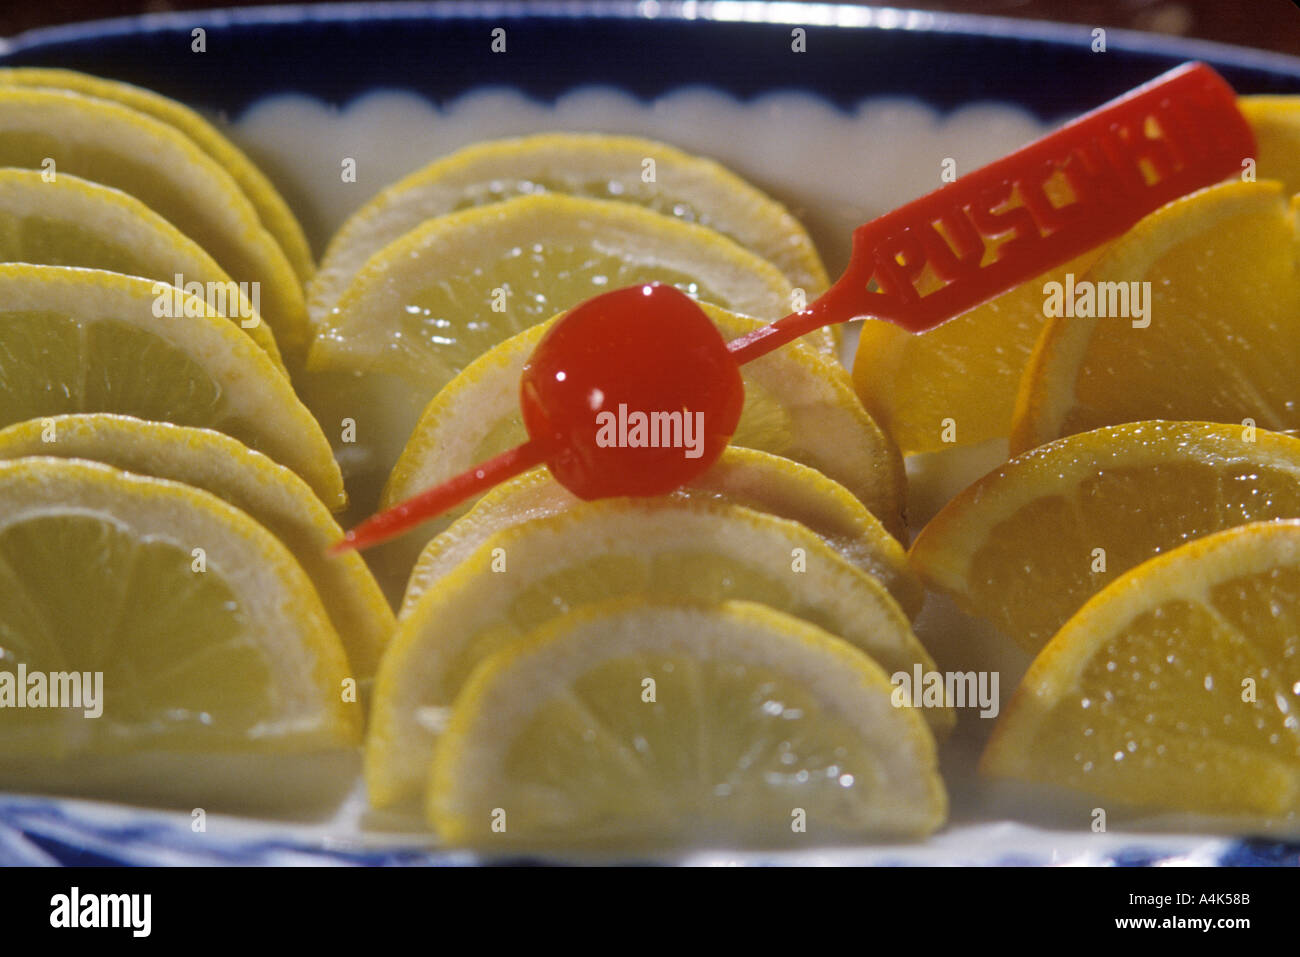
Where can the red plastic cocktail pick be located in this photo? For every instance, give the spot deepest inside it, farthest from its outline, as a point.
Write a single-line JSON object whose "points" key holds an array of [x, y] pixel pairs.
{"points": [[635, 393]]}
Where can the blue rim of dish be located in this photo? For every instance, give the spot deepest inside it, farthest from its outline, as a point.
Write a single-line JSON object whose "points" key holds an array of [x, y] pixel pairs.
{"points": [[35, 830], [1047, 68], [721, 11]]}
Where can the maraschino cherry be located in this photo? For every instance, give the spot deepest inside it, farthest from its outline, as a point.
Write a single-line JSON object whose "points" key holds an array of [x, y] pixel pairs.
{"points": [[612, 379], [639, 370]]}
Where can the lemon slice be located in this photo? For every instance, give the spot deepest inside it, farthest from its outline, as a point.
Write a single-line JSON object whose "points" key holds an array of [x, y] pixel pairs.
{"points": [[272, 210], [84, 340], [592, 165], [525, 575], [432, 301], [1029, 543], [1221, 333], [757, 480], [197, 662], [120, 147], [797, 404], [272, 495], [1275, 121], [73, 222], [1174, 688], [643, 725]]}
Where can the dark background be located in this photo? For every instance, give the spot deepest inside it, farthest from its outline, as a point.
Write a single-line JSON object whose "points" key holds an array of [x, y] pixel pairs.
{"points": [[1268, 24]]}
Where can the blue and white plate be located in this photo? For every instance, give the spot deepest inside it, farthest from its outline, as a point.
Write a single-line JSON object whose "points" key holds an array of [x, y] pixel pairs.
{"points": [[858, 122]]}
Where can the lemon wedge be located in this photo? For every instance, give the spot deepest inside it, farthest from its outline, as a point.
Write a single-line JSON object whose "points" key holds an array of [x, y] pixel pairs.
{"points": [[205, 649], [1176, 687], [272, 210], [58, 131], [654, 726], [85, 340], [268, 493], [73, 222], [757, 480], [1216, 338], [1029, 543], [592, 165], [526, 575]]}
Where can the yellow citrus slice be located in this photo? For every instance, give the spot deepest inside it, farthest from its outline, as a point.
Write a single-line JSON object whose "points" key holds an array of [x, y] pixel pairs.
{"points": [[432, 301], [204, 647], [1218, 333], [84, 340], [956, 384], [523, 576], [1275, 121], [592, 165], [64, 132], [1029, 543], [1176, 687], [73, 222], [641, 725], [757, 480], [272, 210], [272, 495]]}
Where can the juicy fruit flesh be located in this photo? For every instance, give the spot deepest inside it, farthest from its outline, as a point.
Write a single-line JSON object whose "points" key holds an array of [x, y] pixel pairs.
{"points": [[1158, 717], [57, 350], [728, 749], [754, 480], [752, 721], [164, 628], [28, 151], [437, 330], [1233, 376], [1021, 547], [684, 575], [434, 314], [1218, 328], [968, 369], [1244, 495], [43, 239]]}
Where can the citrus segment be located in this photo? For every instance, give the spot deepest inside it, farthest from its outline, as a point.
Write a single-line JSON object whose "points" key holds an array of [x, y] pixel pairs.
{"points": [[74, 222], [760, 729], [1176, 687], [272, 210], [591, 165], [1028, 544], [525, 575], [84, 340], [268, 493], [117, 146]]}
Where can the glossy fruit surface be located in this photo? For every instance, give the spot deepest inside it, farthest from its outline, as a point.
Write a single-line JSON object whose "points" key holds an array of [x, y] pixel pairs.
{"points": [[634, 393]]}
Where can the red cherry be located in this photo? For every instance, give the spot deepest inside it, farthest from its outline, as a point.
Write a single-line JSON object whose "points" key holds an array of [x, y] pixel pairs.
{"points": [[631, 393], [635, 393]]}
